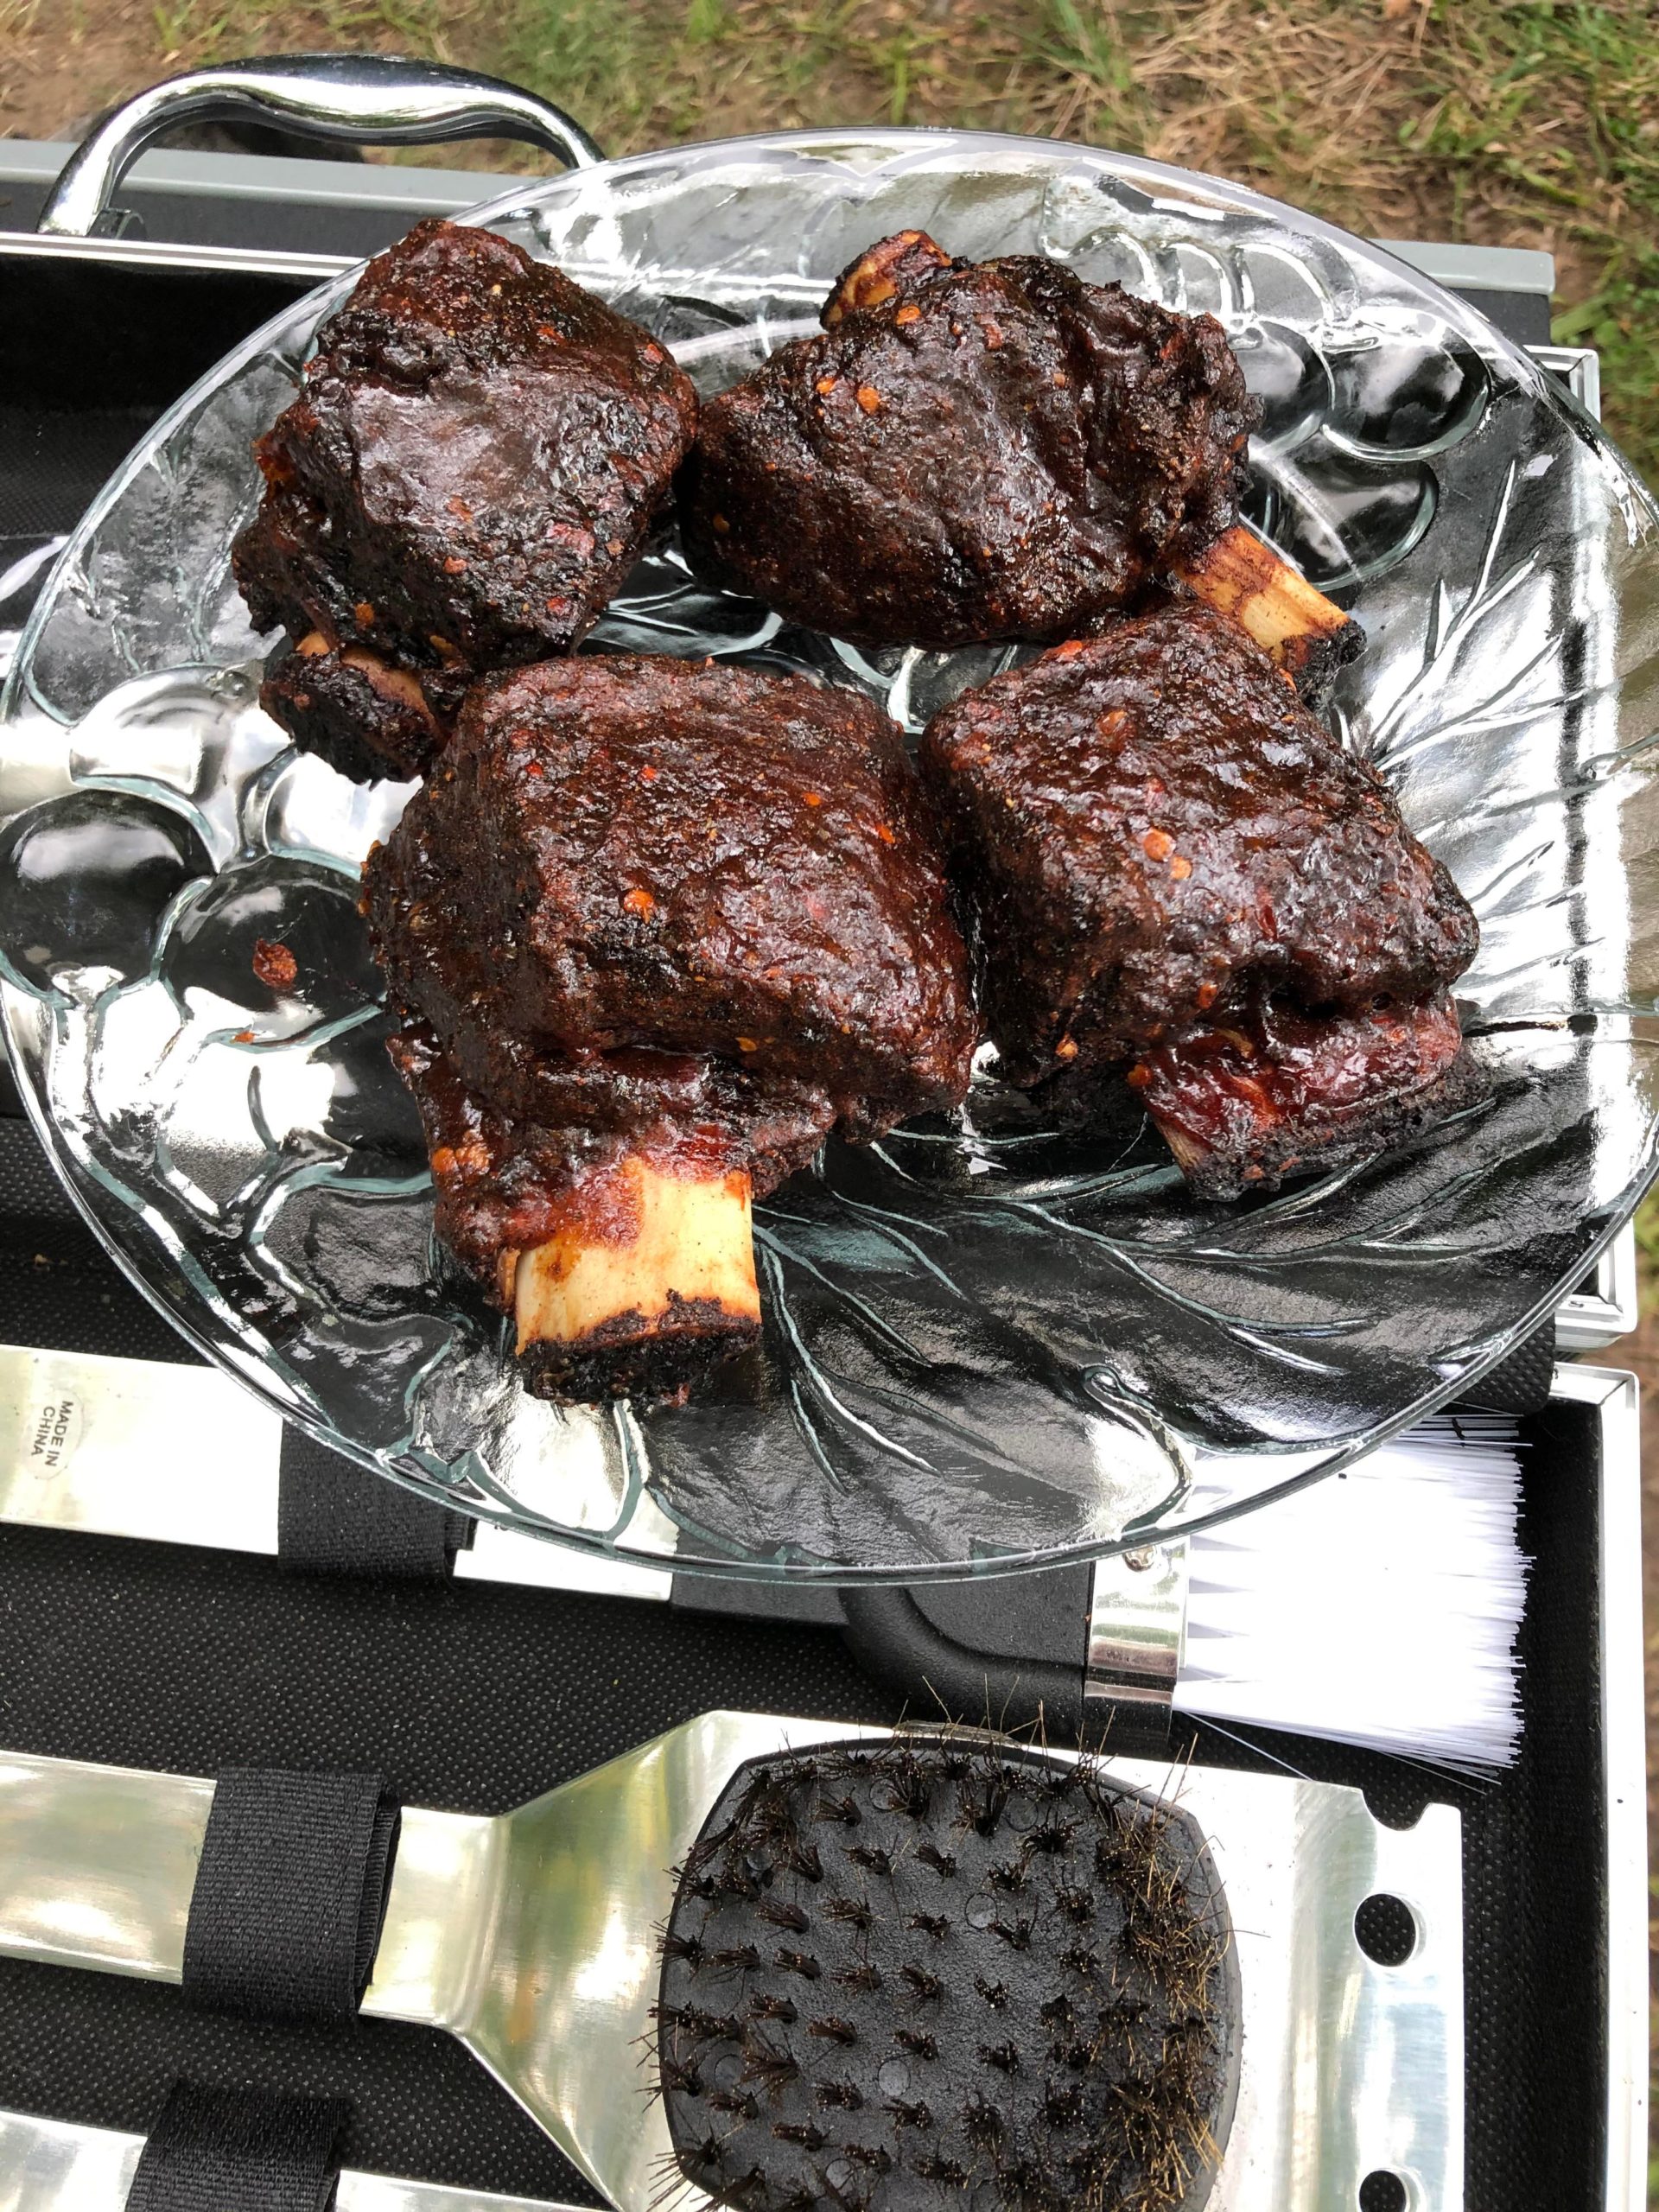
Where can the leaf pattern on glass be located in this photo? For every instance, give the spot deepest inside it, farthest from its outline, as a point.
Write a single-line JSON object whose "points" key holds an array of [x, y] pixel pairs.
{"points": [[987, 1341]]}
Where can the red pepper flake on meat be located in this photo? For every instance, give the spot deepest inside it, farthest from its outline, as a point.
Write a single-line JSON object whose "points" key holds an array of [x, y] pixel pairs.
{"points": [[910, 313], [868, 399], [641, 903], [1158, 844], [1180, 867], [450, 1162], [826, 384], [275, 965]]}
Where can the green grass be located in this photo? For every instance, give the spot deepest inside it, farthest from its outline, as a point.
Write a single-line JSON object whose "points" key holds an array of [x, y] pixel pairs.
{"points": [[1555, 110], [1647, 1251], [209, 31]]}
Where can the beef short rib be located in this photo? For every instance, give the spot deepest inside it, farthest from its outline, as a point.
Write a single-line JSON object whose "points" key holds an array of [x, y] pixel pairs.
{"points": [[471, 467], [1173, 872], [658, 929], [970, 451]]}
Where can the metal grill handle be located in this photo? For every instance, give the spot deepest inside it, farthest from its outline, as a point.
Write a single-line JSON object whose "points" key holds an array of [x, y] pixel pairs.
{"points": [[368, 98]]}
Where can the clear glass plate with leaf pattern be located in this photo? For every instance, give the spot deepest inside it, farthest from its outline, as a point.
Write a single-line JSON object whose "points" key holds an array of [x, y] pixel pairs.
{"points": [[988, 1345]]}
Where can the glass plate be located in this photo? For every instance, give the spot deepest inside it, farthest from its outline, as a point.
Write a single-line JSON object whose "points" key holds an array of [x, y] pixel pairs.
{"points": [[988, 1344]]}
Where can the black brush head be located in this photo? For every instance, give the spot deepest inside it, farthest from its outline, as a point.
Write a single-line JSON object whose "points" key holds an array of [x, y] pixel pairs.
{"points": [[895, 1974]]}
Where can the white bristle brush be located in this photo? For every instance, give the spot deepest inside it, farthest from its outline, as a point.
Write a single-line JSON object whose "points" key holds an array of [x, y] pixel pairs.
{"points": [[1378, 1607]]}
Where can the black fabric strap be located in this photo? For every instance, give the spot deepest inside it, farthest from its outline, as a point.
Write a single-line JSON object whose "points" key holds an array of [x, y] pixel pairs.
{"points": [[290, 1894], [240, 2151], [334, 1517], [1519, 1383]]}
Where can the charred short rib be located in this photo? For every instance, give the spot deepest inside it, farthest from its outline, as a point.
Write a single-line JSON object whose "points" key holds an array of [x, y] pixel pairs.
{"points": [[982, 450], [658, 929], [471, 467], [1174, 872]]}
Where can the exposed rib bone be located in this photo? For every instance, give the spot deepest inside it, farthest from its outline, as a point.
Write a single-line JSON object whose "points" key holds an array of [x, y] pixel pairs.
{"points": [[650, 1279], [1308, 637]]}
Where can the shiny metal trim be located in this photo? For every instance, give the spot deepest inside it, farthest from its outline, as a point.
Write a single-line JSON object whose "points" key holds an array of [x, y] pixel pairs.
{"points": [[53, 2166], [293, 182], [1137, 1627], [1578, 368], [163, 253], [1590, 1320], [377, 100], [530, 1936], [115, 1447], [1476, 268], [1615, 1395]]}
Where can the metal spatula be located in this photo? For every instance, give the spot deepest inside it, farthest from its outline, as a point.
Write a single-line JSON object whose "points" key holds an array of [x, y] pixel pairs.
{"points": [[531, 1937]]}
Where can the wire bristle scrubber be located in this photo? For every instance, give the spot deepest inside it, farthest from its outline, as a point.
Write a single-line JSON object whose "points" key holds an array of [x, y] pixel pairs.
{"points": [[934, 1971]]}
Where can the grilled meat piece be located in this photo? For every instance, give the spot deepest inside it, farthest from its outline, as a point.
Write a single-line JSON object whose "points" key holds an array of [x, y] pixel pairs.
{"points": [[1280, 1089], [970, 451], [362, 713], [472, 466], [1171, 867], [659, 929]]}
